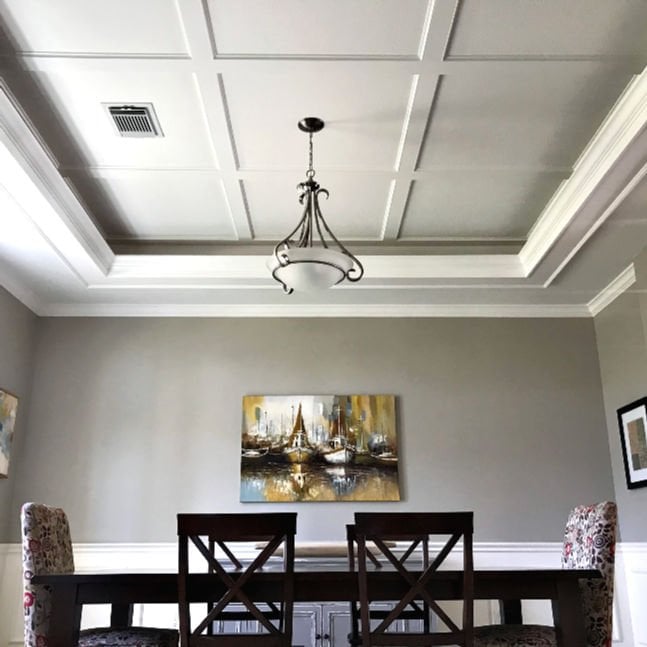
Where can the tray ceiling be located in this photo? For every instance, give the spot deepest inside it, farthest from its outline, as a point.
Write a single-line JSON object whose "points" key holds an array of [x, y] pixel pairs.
{"points": [[481, 158]]}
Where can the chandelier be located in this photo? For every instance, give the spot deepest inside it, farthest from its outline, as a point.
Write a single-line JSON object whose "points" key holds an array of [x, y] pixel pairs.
{"points": [[311, 257]]}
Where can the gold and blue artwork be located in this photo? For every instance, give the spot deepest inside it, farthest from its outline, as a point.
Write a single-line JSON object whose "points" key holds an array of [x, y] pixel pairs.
{"points": [[319, 448], [8, 408]]}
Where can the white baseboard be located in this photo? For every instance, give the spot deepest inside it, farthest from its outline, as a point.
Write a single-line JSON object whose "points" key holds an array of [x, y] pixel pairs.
{"points": [[630, 630]]}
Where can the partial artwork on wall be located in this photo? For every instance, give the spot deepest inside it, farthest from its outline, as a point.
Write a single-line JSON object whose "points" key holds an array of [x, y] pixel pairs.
{"points": [[632, 419], [8, 408], [319, 448]]}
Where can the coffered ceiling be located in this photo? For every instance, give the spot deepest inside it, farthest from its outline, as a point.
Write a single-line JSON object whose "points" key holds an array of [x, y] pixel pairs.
{"points": [[482, 158]]}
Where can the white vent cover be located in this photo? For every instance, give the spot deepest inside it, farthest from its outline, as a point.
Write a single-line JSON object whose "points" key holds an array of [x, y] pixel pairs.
{"points": [[134, 119]]}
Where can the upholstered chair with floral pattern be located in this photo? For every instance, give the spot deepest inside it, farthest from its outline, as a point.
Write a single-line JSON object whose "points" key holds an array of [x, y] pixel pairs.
{"points": [[589, 542], [47, 550]]}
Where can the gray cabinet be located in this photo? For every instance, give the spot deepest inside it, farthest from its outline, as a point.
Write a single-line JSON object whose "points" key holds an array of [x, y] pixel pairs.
{"points": [[316, 624], [321, 625], [328, 624]]}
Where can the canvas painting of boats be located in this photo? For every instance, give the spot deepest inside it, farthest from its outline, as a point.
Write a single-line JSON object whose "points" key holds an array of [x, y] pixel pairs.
{"points": [[319, 448]]}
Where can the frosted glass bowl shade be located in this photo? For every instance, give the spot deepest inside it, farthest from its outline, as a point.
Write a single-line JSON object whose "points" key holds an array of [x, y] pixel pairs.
{"points": [[311, 268]]}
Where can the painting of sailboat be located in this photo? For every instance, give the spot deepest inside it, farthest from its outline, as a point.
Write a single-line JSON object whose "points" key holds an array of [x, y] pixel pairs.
{"points": [[319, 448], [298, 449]]}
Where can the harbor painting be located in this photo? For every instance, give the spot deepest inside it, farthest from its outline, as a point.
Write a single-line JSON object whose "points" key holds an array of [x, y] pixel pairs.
{"points": [[319, 448]]}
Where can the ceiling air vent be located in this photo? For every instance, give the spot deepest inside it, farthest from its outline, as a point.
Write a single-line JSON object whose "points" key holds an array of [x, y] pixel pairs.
{"points": [[135, 120]]}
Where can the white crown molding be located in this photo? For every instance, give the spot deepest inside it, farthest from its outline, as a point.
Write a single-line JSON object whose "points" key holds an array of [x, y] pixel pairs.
{"points": [[618, 131], [320, 310], [607, 295], [20, 292], [31, 176]]}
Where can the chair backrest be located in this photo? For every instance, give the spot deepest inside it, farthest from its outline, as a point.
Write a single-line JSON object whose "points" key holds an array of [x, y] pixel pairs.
{"points": [[46, 550], [230, 585], [589, 542], [414, 547], [380, 528]]}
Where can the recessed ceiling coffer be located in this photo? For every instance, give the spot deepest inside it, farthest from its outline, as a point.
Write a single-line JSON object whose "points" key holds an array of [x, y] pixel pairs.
{"points": [[135, 120]]}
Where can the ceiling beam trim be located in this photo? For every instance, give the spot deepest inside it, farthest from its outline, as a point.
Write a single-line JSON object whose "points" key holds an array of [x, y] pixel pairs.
{"points": [[611, 292], [618, 132], [200, 268], [31, 177]]}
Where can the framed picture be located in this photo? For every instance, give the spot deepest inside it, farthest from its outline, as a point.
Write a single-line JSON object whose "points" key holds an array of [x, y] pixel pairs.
{"points": [[8, 408], [319, 448], [632, 419]]}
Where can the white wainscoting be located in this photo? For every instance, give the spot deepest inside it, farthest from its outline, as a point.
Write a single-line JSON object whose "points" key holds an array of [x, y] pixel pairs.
{"points": [[633, 557], [630, 628]]}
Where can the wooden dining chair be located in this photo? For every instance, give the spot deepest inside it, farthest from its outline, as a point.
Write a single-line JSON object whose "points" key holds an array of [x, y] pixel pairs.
{"points": [[47, 550], [380, 528], [589, 542], [230, 601], [416, 610]]}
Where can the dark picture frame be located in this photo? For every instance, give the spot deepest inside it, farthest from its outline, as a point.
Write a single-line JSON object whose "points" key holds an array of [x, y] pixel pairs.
{"points": [[632, 420]]}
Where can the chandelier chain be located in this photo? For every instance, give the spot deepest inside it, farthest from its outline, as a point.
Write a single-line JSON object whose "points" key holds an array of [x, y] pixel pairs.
{"points": [[310, 173]]}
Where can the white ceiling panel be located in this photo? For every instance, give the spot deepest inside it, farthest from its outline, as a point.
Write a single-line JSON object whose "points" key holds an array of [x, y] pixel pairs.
{"points": [[517, 117], [550, 28], [319, 29], [363, 121], [455, 204], [78, 96], [80, 26], [175, 205], [355, 209]]}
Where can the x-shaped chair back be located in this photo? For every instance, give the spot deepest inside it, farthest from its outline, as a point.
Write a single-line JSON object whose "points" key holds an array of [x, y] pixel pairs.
{"points": [[230, 577], [382, 528], [415, 610]]}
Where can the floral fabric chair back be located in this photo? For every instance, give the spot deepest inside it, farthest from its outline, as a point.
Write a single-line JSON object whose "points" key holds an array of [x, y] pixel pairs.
{"points": [[46, 550], [589, 542]]}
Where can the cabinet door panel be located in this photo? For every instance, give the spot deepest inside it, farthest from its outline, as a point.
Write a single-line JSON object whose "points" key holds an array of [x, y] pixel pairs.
{"points": [[336, 625], [306, 625]]}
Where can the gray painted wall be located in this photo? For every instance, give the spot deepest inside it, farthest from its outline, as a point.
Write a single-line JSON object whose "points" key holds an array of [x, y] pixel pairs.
{"points": [[622, 342], [17, 331], [133, 420]]}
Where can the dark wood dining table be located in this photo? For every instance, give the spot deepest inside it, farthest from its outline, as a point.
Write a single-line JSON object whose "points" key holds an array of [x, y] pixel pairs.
{"points": [[315, 583]]}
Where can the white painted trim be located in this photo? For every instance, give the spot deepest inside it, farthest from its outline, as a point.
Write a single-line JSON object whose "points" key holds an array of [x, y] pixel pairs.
{"points": [[629, 608], [607, 295], [33, 179], [37, 185], [165, 270], [62, 221], [618, 131], [305, 310], [633, 548], [631, 598], [22, 293], [595, 226]]}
